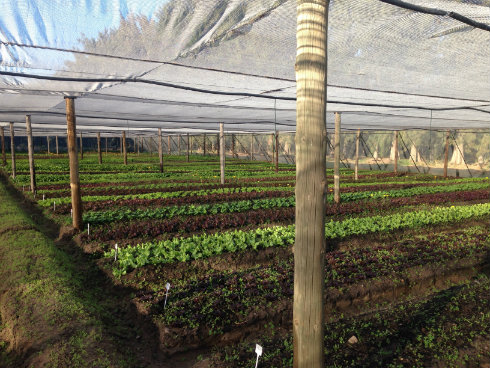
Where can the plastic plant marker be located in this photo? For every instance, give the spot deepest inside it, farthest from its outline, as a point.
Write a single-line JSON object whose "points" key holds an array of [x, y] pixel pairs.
{"points": [[115, 253], [88, 229], [167, 286], [258, 351]]}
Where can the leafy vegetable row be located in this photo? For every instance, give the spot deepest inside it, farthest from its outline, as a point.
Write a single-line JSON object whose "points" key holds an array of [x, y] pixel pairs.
{"points": [[203, 246]]}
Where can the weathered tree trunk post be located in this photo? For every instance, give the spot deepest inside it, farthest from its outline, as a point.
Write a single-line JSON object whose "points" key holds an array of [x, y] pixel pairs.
{"points": [[446, 154], [99, 148], [125, 151], [222, 152], [252, 147], [81, 146], [356, 165], [76, 199], [336, 162], [47, 141], [188, 147], [396, 151], [276, 157], [204, 144], [30, 151], [160, 149], [4, 156], [169, 145], [57, 146], [12, 149], [309, 248]]}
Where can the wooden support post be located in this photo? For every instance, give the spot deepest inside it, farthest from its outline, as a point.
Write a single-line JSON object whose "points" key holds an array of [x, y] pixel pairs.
{"points": [[276, 157], [12, 149], [309, 247], [396, 152], [106, 145], [356, 165], [30, 151], [190, 142], [4, 155], [188, 147], [217, 144], [99, 148], [57, 147], [222, 152], [76, 199], [446, 154], [81, 146], [125, 150], [336, 162], [121, 145], [252, 148], [160, 149], [47, 141], [204, 144], [138, 140]]}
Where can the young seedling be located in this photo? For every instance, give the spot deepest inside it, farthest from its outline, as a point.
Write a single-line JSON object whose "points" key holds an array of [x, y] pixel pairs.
{"points": [[258, 351], [115, 253], [167, 286]]}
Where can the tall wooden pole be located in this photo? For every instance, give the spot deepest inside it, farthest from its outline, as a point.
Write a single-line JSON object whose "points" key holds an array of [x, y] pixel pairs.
{"points": [[309, 248], [169, 145], [160, 149], [222, 152], [81, 146], [125, 150], [336, 162], [76, 199], [396, 152], [276, 157], [252, 147], [188, 147], [446, 154], [356, 165], [30, 151], [57, 147], [204, 144], [99, 148], [4, 156], [47, 141], [12, 149]]}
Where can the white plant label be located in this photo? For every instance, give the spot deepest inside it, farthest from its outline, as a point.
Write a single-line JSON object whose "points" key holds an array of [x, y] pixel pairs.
{"points": [[88, 229], [115, 253], [54, 206], [167, 286], [258, 351], [43, 197]]}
